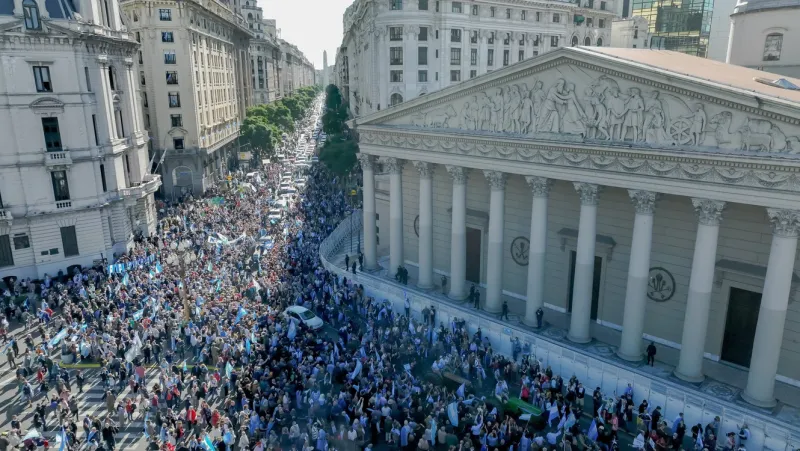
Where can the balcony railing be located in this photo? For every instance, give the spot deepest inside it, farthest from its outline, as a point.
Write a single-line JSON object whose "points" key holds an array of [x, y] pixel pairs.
{"points": [[60, 205], [60, 158]]}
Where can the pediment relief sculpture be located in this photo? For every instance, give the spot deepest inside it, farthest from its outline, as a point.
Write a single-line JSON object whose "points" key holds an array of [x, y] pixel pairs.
{"points": [[574, 104]]}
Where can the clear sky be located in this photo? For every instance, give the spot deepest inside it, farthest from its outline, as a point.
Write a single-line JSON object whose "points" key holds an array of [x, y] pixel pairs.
{"points": [[311, 25]]}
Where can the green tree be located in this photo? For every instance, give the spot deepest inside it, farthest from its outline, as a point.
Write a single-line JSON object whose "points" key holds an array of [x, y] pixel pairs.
{"points": [[340, 156], [333, 97], [275, 113], [262, 136]]}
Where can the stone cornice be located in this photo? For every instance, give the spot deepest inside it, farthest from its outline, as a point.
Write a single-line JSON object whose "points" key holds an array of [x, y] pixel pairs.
{"points": [[721, 169]]}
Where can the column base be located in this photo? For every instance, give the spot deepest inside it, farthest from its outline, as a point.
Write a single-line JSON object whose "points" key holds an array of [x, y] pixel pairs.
{"points": [[457, 296], [371, 268], [579, 340], [630, 357], [769, 403], [426, 287], [531, 323], [689, 378], [493, 310]]}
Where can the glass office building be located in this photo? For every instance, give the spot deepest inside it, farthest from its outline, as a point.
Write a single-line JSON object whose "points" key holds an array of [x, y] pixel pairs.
{"points": [[679, 25]]}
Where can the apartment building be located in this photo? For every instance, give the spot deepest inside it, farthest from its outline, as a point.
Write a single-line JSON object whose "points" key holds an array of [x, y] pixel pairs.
{"points": [[264, 54], [195, 80], [395, 50], [296, 71], [74, 178]]}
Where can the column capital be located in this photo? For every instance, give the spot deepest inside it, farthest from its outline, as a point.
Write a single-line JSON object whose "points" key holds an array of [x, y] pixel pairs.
{"points": [[367, 161], [458, 174], [588, 192], [424, 168], [785, 223], [709, 211], [540, 186], [644, 202], [394, 165], [102, 60], [497, 179]]}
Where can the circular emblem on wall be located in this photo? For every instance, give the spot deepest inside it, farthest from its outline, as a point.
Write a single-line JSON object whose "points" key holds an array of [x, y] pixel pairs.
{"points": [[660, 284], [416, 225], [520, 250]]}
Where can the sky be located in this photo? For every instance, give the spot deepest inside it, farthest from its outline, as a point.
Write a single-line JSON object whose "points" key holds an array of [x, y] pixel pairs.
{"points": [[311, 25]]}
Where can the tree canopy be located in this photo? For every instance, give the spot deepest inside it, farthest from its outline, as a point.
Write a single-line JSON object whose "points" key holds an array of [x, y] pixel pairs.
{"points": [[340, 151]]}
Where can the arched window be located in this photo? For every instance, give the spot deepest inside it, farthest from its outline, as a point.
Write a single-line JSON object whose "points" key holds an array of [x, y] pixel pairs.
{"points": [[249, 16], [599, 42], [772, 47], [135, 17], [574, 41], [31, 11], [396, 99], [587, 41]]}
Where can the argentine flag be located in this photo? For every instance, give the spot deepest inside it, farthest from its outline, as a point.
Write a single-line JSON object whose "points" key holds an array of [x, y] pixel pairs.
{"points": [[357, 371], [461, 391], [228, 370], [452, 413], [208, 444]]}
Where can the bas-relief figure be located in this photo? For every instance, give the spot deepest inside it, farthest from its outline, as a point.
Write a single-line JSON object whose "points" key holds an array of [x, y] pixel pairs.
{"points": [[599, 109]]}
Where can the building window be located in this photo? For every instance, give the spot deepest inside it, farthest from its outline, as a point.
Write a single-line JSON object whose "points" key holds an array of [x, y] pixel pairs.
{"points": [[455, 56], [169, 57], [473, 73], [436, 34], [165, 14], [587, 41], [177, 143], [437, 6], [553, 41], [31, 12], [69, 241], [52, 134], [41, 74], [599, 42], [455, 35], [508, 13], [436, 53], [144, 100], [491, 37], [422, 76], [396, 76], [590, 4], [60, 185], [138, 37], [772, 47], [174, 99], [395, 33], [523, 15], [141, 58], [490, 57], [395, 99], [455, 75], [177, 120], [6, 256], [507, 39], [538, 16], [422, 5], [88, 80], [422, 56], [456, 7], [506, 57], [491, 11], [602, 6], [103, 177], [589, 22], [397, 5], [142, 79], [574, 41], [21, 242], [166, 36], [521, 55], [172, 78], [94, 129], [473, 57], [556, 18], [473, 37], [601, 23], [396, 56], [474, 10], [423, 34]]}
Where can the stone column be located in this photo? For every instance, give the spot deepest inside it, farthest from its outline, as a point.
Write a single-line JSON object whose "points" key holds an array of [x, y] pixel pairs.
{"points": [[494, 268], [395, 167], [540, 188], [772, 314], [105, 117], [638, 271], [698, 303], [483, 47], [383, 70], [458, 234], [370, 228], [579, 326], [425, 224]]}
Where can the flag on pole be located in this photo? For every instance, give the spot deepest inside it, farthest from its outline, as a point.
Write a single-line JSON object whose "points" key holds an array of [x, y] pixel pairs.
{"points": [[247, 346], [146, 417], [357, 371], [59, 336], [452, 413], [208, 444], [593, 430], [461, 390], [63, 437], [292, 331], [228, 370], [240, 314]]}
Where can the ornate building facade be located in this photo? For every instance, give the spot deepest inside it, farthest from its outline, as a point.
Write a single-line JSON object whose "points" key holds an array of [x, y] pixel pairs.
{"points": [[74, 174], [397, 50], [762, 34], [634, 195]]}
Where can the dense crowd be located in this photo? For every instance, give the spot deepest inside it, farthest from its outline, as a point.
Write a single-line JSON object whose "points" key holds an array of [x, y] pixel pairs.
{"points": [[234, 373]]}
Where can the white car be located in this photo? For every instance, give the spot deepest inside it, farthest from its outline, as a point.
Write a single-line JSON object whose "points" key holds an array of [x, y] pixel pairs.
{"points": [[305, 316]]}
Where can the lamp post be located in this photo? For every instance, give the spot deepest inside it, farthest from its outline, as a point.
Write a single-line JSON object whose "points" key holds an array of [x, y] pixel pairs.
{"points": [[182, 256]]}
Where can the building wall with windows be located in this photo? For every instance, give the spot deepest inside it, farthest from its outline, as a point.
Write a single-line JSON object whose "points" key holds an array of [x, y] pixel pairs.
{"points": [[630, 33], [764, 35], [196, 85], [74, 178], [397, 50], [295, 69], [680, 26]]}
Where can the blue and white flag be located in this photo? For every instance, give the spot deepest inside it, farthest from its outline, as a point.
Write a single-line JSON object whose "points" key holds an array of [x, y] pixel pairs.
{"points": [[247, 346], [158, 268], [433, 432], [208, 444], [593, 430], [452, 413], [59, 336], [228, 370], [138, 315], [291, 332], [461, 392], [185, 367], [357, 371], [146, 417], [240, 314], [63, 437], [125, 280]]}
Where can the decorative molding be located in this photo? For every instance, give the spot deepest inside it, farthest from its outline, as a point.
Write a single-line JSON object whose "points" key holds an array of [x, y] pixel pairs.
{"points": [[588, 192], [47, 106], [660, 284], [540, 186], [709, 211], [367, 161], [644, 202], [603, 243], [520, 250], [459, 174], [67, 221], [785, 223], [394, 165], [496, 179], [424, 168]]}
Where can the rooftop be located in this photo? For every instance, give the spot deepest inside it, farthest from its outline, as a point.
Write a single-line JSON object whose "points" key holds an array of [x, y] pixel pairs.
{"points": [[701, 69], [748, 6]]}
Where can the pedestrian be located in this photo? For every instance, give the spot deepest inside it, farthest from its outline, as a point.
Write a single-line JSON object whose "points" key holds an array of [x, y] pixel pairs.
{"points": [[354, 267], [360, 261], [444, 284], [346, 261], [539, 317], [651, 354], [408, 307], [504, 311], [477, 299]]}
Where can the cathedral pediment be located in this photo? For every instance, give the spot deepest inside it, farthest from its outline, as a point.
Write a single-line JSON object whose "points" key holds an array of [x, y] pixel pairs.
{"points": [[618, 99]]}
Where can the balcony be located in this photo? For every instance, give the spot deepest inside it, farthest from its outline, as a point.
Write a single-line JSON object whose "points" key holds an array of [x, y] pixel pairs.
{"points": [[53, 160], [63, 204], [5, 215], [149, 185]]}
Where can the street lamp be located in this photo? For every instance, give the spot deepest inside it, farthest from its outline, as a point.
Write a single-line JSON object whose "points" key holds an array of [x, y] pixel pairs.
{"points": [[182, 256]]}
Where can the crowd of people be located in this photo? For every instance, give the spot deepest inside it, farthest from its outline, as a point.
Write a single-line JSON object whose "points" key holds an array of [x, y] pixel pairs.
{"points": [[190, 326]]}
